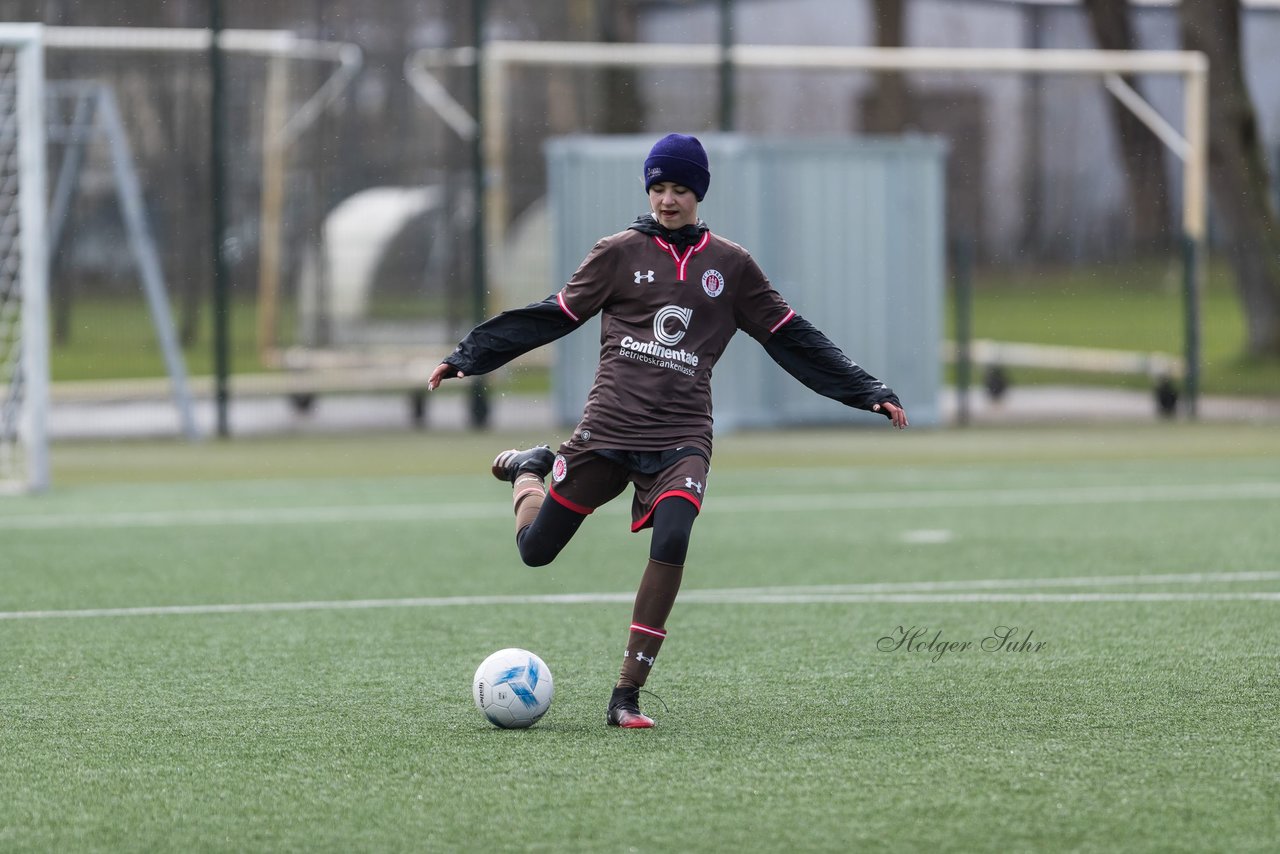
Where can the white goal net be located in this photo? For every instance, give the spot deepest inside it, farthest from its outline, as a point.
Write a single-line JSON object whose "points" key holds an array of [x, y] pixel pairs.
{"points": [[24, 364]]}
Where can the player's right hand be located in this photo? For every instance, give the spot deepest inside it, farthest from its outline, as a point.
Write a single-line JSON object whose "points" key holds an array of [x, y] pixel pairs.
{"points": [[896, 414], [441, 373]]}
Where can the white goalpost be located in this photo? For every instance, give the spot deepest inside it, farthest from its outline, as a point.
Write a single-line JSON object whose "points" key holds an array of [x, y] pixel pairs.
{"points": [[502, 59], [24, 341]]}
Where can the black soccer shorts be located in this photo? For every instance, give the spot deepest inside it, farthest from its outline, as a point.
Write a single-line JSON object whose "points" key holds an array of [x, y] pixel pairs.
{"points": [[583, 480]]}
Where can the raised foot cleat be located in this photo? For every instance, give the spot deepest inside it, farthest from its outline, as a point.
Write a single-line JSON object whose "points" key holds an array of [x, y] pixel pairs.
{"points": [[624, 710], [509, 465]]}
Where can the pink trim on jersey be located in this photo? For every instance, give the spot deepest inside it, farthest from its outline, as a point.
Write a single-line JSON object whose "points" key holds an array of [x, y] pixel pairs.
{"points": [[648, 630], [682, 261], [670, 493], [572, 505], [783, 322], [565, 308]]}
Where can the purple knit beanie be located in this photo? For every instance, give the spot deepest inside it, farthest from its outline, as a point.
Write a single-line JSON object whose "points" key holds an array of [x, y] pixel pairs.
{"points": [[681, 160]]}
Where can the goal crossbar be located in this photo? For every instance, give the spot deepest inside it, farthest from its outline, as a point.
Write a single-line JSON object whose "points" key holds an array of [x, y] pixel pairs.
{"points": [[270, 44], [1080, 61]]}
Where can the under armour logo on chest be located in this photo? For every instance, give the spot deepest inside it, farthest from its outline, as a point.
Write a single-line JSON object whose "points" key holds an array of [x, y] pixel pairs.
{"points": [[648, 276]]}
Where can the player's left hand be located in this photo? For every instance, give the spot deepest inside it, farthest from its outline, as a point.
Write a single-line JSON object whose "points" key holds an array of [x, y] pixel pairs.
{"points": [[897, 415], [443, 371]]}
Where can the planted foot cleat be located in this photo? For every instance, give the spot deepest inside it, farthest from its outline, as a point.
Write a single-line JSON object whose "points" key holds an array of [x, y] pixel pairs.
{"points": [[624, 710], [509, 465]]}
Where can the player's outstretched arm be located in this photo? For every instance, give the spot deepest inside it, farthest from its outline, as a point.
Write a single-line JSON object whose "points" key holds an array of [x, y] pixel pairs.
{"points": [[809, 356], [502, 338]]}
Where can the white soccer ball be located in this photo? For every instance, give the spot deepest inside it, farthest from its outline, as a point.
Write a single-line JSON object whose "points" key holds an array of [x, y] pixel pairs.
{"points": [[513, 688]]}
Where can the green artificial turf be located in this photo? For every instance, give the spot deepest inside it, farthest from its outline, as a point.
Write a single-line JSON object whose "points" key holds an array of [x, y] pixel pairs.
{"points": [[327, 706]]}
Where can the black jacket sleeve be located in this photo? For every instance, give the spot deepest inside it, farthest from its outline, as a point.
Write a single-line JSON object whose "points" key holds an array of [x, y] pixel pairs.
{"points": [[513, 333], [811, 357]]}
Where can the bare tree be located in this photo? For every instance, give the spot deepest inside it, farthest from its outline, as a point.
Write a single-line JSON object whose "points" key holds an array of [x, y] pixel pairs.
{"points": [[623, 110], [1142, 153], [1237, 171], [888, 107]]}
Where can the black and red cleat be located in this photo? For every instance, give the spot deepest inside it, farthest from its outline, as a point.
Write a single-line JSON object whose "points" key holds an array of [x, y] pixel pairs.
{"points": [[509, 465], [624, 710]]}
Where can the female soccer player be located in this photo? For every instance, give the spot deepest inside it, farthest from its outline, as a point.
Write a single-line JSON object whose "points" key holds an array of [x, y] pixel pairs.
{"points": [[671, 294]]}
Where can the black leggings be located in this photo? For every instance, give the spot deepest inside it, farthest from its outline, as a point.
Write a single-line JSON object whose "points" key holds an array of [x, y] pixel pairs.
{"points": [[556, 524]]}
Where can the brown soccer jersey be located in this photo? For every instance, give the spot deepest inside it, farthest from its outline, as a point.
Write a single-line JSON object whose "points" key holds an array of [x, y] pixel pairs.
{"points": [[666, 317]]}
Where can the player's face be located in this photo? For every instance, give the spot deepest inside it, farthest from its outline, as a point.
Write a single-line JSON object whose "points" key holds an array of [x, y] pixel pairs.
{"points": [[674, 206]]}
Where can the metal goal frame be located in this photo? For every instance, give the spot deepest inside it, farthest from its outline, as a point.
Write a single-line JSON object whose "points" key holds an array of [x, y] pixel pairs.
{"points": [[498, 60], [24, 401]]}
